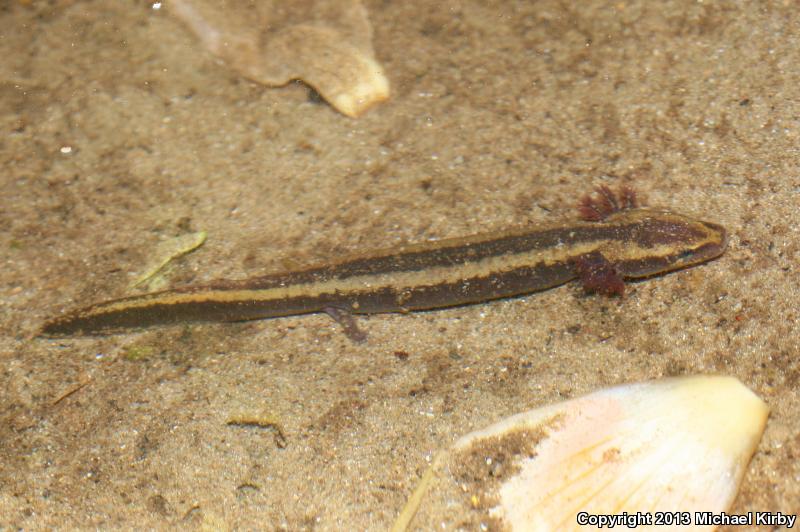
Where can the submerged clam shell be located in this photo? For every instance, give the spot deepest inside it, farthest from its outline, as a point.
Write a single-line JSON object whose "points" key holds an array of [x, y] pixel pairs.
{"points": [[674, 445]]}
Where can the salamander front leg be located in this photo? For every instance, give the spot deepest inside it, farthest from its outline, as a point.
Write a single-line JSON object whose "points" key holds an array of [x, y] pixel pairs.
{"points": [[348, 323], [597, 274]]}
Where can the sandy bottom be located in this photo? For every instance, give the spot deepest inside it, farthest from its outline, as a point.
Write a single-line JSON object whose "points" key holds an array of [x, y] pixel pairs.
{"points": [[118, 132]]}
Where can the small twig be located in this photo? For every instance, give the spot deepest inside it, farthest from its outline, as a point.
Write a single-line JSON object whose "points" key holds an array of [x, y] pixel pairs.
{"points": [[76, 388], [280, 438]]}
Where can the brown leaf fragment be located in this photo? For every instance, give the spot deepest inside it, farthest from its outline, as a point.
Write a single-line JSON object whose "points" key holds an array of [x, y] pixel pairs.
{"points": [[325, 43]]}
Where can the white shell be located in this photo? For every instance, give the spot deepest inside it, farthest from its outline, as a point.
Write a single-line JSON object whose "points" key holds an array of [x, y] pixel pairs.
{"points": [[674, 445]]}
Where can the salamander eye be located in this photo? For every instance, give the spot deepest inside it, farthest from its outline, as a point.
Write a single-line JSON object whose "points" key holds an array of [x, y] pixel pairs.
{"points": [[686, 254]]}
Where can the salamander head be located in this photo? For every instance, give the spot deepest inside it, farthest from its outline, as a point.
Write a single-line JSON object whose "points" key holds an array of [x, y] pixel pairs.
{"points": [[649, 242]]}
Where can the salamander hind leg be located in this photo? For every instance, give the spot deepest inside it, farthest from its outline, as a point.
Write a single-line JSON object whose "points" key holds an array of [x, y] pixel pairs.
{"points": [[348, 323]]}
